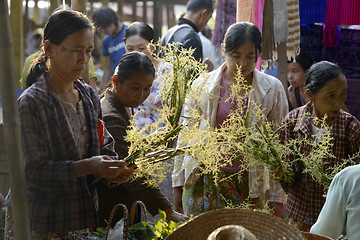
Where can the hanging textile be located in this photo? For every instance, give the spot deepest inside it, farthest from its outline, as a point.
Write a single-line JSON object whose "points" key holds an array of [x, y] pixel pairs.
{"points": [[280, 21], [312, 11], [225, 16], [258, 17], [293, 42], [344, 12], [245, 11], [268, 31]]}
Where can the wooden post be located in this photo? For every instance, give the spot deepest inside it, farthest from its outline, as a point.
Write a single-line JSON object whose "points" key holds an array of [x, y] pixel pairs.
{"points": [[170, 14], [134, 15], [36, 12], [19, 199], [53, 5], [157, 18], [105, 2], [120, 9], [282, 66], [16, 19], [144, 11], [26, 24], [80, 5]]}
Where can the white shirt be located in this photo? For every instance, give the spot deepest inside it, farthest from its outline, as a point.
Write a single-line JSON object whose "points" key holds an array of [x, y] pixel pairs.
{"points": [[340, 214]]}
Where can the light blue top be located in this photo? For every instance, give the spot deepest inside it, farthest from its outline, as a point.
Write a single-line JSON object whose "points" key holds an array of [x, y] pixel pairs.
{"points": [[340, 214]]}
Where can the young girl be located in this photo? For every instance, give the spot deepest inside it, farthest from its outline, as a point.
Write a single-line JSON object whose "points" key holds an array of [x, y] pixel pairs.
{"points": [[59, 124], [131, 86], [241, 47], [137, 37], [326, 88]]}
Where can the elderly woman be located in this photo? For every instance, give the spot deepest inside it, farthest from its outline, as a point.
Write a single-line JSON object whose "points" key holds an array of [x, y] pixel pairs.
{"points": [[326, 88]]}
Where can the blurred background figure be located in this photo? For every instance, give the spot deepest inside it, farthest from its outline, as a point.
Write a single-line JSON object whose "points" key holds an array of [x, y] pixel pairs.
{"points": [[113, 47], [296, 70]]}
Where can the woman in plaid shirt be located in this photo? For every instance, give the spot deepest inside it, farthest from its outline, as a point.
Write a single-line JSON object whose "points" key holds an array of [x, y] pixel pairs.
{"points": [[59, 123], [326, 87]]}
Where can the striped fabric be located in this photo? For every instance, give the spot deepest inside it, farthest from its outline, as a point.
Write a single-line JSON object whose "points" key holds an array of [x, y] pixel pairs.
{"points": [[293, 41]]}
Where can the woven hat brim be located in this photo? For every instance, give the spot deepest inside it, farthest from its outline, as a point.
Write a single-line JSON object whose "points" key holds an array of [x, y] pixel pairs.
{"points": [[263, 226]]}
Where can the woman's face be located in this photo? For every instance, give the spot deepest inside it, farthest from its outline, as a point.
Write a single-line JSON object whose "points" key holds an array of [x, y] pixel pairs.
{"points": [[244, 56], [135, 89], [296, 75], [69, 59], [137, 43], [330, 98]]}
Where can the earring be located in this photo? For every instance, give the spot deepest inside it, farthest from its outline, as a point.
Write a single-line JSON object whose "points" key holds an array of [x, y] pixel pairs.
{"points": [[115, 80]]}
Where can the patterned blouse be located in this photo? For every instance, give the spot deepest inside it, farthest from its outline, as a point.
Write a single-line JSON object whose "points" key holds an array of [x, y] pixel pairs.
{"points": [[305, 198], [147, 112]]}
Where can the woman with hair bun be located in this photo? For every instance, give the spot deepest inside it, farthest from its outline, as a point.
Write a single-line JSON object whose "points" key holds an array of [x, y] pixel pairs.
{"points": [[62, 149], [326, 88]]}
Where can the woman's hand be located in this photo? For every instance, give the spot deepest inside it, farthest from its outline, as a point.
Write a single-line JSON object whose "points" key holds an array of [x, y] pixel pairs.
{"points": [[105, 167], [171, 215]]}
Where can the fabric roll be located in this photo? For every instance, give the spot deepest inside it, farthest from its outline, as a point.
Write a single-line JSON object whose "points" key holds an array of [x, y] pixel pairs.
{"points": [[312, 11], [344, 12], [259, 12], [293, 41], [225, 16], [245, 11], [268, 30], [280, 21]]}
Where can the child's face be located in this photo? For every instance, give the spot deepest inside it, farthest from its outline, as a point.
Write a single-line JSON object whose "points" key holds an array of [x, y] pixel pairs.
{"points": [[295, 75], [135, 89]]}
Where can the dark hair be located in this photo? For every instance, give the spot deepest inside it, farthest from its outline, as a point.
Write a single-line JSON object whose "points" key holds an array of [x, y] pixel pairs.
{"points": [[304, 60], [320, 74], [141, 29], [105, 16], [238, 33], [37, 36], [207, 32], [197, 5], [134, 62], [58, 26]]}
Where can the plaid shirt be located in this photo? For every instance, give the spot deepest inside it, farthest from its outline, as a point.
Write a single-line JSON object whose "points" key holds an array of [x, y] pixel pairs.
{"points": [[58, 201], [305, 198]]}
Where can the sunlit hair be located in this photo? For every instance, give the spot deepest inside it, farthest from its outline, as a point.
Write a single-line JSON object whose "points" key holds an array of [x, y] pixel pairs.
{"points": [[320, 74], [133, 62], [238, 33], [141, 29]]}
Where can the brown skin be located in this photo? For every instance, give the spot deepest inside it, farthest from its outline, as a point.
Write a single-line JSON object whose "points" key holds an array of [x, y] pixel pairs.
{"points": [[67, 62], [132, 93], [329, 99]]}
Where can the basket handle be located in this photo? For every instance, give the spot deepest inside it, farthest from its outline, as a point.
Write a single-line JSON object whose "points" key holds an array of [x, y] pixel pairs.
{"points": [[132, 211], [126, 220]]}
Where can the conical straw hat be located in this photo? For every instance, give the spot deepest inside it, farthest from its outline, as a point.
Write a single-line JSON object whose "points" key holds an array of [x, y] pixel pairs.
{"points": [[263, 226]]}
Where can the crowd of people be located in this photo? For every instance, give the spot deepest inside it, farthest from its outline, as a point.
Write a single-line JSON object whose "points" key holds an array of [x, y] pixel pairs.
{"points": [[61, 115]]}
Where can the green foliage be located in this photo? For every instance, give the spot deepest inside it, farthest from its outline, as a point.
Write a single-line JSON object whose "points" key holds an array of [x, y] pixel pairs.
{"points": [[99, 233], [157, 231]]}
